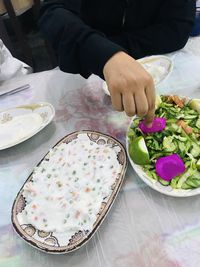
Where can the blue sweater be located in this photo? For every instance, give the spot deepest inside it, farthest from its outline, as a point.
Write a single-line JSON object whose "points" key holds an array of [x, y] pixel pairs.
{"points": [[86, 33]]}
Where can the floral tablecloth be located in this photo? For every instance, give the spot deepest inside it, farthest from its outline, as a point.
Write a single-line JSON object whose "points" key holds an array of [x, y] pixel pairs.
{"points": [[144, 228]]}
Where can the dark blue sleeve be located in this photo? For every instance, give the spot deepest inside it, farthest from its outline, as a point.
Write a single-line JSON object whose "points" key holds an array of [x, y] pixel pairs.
{"points": [[80, 48], [169, 33]]}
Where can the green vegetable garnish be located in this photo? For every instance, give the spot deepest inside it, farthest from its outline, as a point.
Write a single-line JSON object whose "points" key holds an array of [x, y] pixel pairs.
{"points": [[181, 136]]}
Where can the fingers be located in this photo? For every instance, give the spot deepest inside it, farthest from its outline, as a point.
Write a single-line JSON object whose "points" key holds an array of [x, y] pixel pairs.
{"points": [[129, 104], [130, 85], [149, 118], [116, 99], [141, 103], [151, 97]]}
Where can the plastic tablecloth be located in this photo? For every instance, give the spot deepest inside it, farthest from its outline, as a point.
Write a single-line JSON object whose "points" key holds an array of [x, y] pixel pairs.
{"points": [[144, 228]]}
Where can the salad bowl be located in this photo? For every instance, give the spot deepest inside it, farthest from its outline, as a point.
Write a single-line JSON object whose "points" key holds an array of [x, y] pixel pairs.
{"points": [[180, 138]]}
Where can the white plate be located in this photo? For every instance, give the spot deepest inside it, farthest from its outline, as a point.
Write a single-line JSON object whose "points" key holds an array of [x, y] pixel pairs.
{"points": [[167, 190], [20, 123], [159, 67]]}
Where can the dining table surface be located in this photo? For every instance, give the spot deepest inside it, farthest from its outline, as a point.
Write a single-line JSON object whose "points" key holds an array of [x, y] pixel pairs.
{"points": [[144, 228]]}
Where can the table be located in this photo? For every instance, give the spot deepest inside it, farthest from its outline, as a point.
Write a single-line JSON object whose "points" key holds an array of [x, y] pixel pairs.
{"points": [[144, 228]]}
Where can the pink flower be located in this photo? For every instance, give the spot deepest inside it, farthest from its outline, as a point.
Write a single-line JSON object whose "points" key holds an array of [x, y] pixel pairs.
{"points": [[158, 125], [169, 167]]}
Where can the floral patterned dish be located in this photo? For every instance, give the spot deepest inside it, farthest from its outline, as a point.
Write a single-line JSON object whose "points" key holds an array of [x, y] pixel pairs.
{"points": [[22, 122], [85, 171]]}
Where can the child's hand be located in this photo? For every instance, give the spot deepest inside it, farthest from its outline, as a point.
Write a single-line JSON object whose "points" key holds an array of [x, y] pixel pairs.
{"points": [[131, 87]]}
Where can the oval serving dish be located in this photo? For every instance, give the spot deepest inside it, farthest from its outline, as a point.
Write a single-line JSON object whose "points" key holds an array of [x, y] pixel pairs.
{"points": [[59, 241]]}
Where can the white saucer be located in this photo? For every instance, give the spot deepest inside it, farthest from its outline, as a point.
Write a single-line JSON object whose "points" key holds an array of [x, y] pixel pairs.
{"points": [[21, 123]]}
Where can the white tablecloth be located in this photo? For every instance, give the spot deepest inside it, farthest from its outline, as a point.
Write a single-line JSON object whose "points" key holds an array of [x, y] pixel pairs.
{"points": [[144, 228]]}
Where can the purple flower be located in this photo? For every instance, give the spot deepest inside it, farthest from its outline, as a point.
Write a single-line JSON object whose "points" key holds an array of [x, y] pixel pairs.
{"points": [[158, 125], [169, 167]]}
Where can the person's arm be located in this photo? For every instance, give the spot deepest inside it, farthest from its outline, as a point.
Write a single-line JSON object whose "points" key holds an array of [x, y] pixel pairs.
{"points": [[169, 33], [83, 50], [80, 48]]}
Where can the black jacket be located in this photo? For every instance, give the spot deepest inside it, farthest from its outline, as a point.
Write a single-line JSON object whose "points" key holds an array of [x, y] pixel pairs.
{"points": [[86, 33]]}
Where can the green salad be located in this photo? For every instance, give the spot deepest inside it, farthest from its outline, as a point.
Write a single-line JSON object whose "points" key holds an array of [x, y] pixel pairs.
{"points": [[169, 152]]}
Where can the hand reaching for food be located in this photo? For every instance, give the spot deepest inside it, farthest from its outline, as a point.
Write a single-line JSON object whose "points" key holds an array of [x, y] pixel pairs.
{"points": [[131, 86]]}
